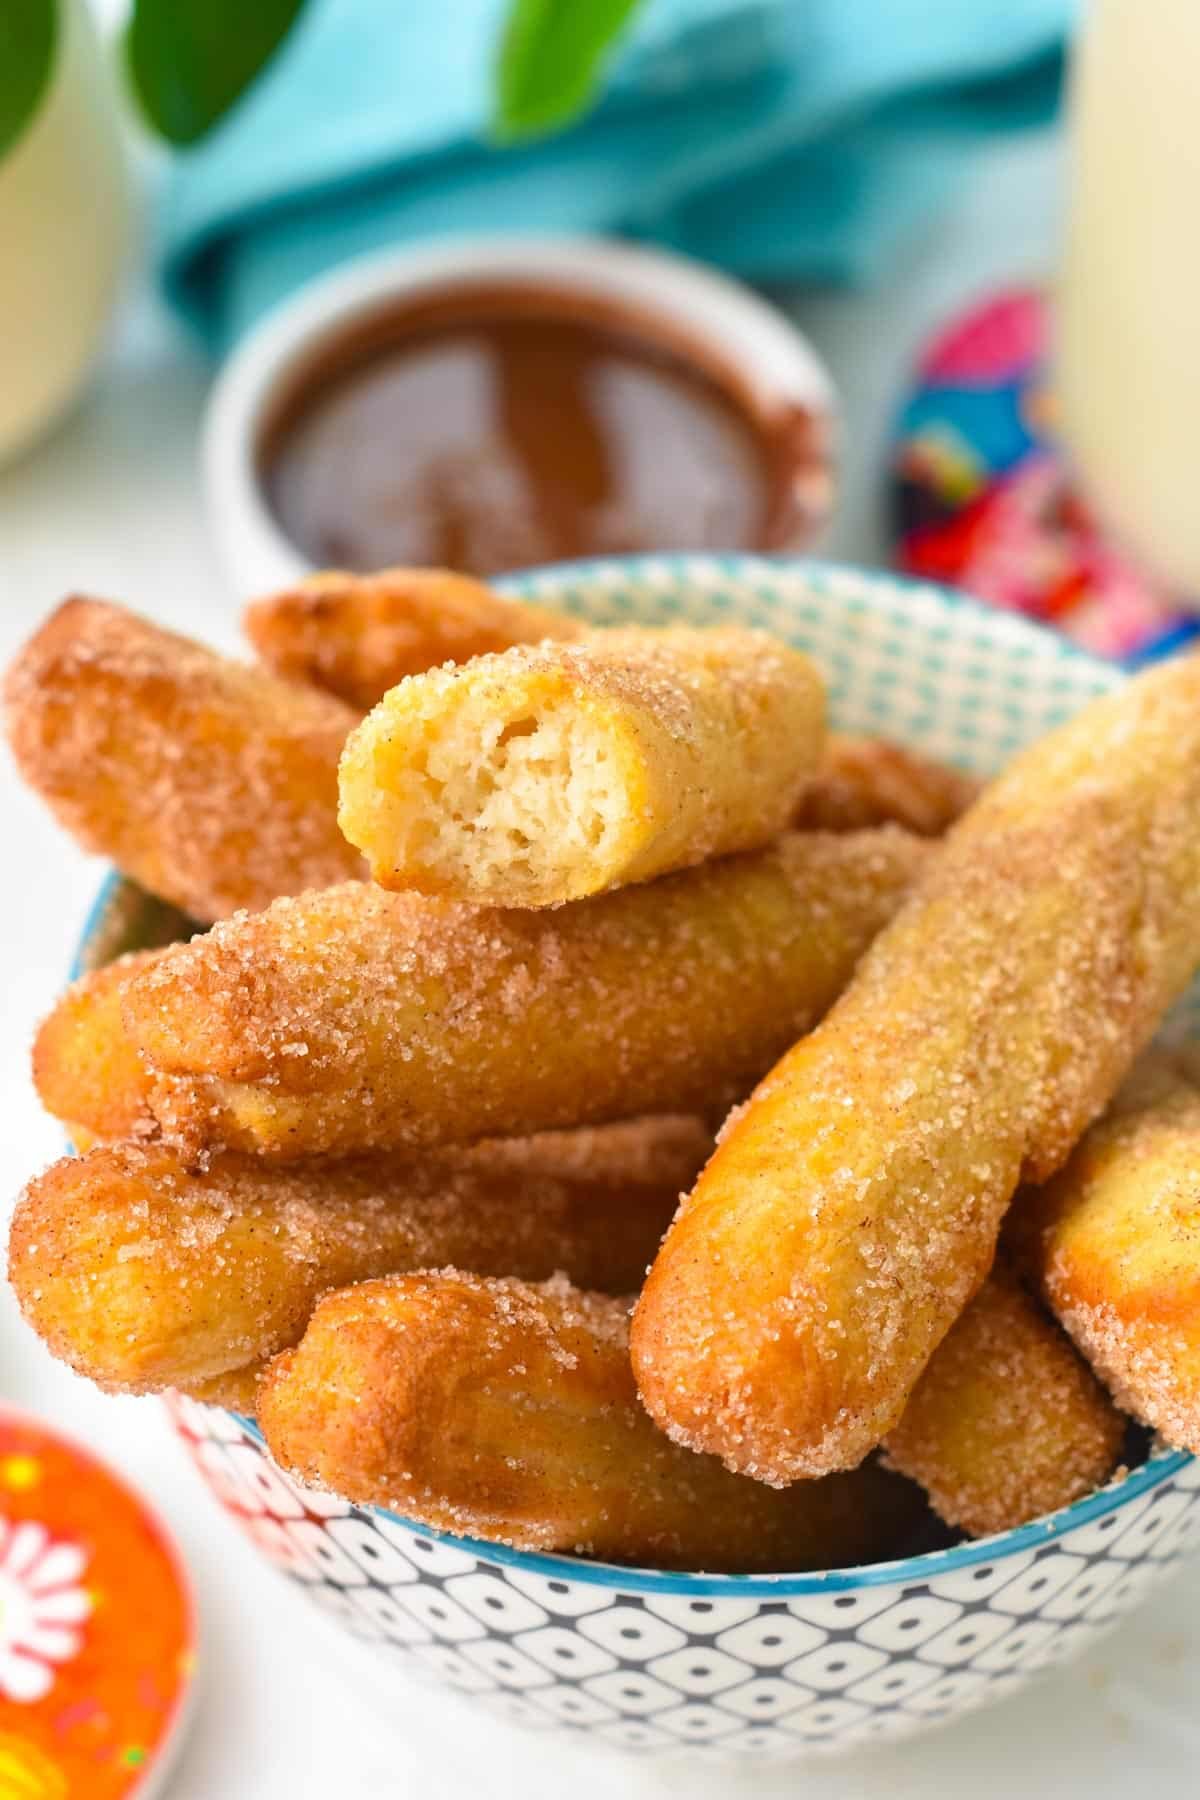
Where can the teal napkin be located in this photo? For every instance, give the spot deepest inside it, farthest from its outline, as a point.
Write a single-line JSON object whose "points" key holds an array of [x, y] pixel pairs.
{"points": [[780, 139]]}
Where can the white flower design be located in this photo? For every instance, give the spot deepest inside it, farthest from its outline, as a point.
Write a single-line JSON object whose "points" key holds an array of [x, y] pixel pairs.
{"points": [[39, 1604]]}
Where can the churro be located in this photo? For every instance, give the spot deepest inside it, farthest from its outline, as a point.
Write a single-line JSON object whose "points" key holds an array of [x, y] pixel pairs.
{"points": [[1007, 1422], [1114, 1245], [357, 1019], [143, 1275], [86, 1068], [865, 781], [236, 1392], [356, 636], [552, 772], [212, 784], [851, 1211], [508, 1411]]}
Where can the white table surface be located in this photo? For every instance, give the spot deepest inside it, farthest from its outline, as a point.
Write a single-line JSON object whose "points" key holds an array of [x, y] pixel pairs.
{"points": [[111, 504]]}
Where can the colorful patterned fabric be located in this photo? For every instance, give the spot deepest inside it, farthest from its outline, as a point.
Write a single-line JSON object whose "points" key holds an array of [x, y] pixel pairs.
{"points": [[983, 496]]}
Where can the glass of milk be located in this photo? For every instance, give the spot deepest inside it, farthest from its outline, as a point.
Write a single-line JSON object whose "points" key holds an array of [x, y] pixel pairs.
{"points": [[1129, 304], [65, 209]]}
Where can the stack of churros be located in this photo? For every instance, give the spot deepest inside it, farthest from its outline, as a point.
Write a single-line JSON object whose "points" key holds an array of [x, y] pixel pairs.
{"points": [[590, 1116]]}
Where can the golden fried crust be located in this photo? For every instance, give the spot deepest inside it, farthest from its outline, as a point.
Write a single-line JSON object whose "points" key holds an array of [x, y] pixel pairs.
{"points": [[1114, 1245], [142, 1275], [236, 1392], [508, 1411], [357, 1019], [212, 784], [866, 781], [550, 772], [86, 1068], [89, 1074], [356, 636], [852, 1209], [1007, 1423]]}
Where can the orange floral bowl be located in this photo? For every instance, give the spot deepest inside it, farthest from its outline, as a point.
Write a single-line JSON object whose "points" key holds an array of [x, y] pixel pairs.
{"points": [[97, 1626]]}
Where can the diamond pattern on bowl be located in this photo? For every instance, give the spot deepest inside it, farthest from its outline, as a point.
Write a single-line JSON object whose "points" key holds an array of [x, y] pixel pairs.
{"points": [[697, 1724], [905, 1626], [632, 1692], [829, 1716], [573, 1705], [766, 1697], [565, 1652], [702, 1618], [507, 1666], [1020, 1644], [560, 1599], [632, 1633], [493, 1602], [700, 1669], [966, 1639], [383, 1610], [772, 1639], [370, 1551]]}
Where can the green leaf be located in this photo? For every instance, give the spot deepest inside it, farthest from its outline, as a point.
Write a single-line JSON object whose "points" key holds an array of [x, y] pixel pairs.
{"points": [[190, 60], [28, 32], [552, 56]]}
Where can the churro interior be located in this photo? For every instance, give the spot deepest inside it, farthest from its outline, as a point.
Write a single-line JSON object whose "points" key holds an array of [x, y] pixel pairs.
{"points": [[526, 793]]}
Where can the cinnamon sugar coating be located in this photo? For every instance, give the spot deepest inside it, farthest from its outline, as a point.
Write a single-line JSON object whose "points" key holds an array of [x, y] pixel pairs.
{"points": [[86, 1068], [356, 636], [508, 1411], [1114, 1245], [357, 1019], [865, 781], [1007, 1422], [235, 1392], [212, 784], [143, 1275], [851, 1211]]}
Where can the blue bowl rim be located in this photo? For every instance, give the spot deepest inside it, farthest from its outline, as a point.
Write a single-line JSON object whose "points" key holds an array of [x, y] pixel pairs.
{"points": [[1160, 1467]]}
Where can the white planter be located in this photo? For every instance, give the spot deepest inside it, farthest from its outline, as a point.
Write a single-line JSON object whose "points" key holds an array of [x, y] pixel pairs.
{"points": [[65, 217]]}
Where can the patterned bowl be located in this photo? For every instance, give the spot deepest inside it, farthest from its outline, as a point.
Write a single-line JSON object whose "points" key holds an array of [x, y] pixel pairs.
{"points": [[777, 1666]]}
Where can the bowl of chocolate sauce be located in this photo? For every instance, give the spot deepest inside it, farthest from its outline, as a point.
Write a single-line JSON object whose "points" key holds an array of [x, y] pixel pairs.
{"points": [[487, 405]]}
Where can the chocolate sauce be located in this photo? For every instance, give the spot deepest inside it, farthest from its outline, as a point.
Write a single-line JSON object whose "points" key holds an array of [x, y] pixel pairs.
{"points": [[484, 431]]}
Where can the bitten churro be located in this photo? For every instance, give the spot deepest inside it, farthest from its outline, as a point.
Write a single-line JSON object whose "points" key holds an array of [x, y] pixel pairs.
{"points": [[357, 1019], [852, 1210], [356, 636], [143, 1275], [86, 1068], [549, 773], [508, 1411], [1007, 1422], [211, 783], [1114, 1244], [866, 781]]}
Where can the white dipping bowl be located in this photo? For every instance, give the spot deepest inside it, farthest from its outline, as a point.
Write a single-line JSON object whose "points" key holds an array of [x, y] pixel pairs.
{"points": [[666, 295]]}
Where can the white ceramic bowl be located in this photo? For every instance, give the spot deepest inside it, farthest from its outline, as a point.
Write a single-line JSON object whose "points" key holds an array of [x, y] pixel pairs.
{"points": [[783, 1665], [778, 366]]}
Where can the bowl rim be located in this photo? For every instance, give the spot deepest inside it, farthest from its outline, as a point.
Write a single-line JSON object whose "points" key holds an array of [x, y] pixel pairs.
{"points": [[905, 1571], [775, 355], [1161, 1466]]}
